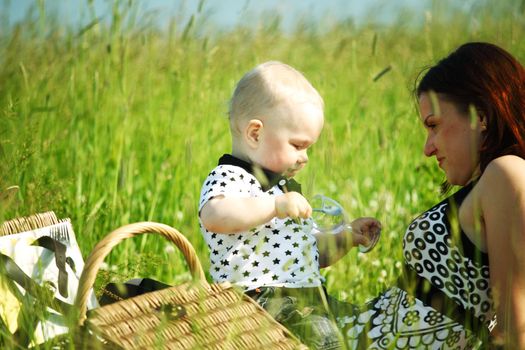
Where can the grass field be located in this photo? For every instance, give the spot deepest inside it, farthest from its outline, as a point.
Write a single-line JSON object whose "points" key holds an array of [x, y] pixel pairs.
{"points": [[121, 122]]}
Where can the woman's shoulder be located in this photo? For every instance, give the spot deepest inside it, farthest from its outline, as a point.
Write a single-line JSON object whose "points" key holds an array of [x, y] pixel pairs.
{"points": [[505, 168], [503, 175]]}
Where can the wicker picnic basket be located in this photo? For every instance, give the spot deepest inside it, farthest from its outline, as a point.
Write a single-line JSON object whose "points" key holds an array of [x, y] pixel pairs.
{"points": [[194, 315], [28, 223]]}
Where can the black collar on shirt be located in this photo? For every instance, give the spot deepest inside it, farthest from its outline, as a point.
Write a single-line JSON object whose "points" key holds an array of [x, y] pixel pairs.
{"points": [[266, 178]]}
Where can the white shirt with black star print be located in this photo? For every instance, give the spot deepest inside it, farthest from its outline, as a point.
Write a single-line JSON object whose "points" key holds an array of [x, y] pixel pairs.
{"points": [[280, 253]]}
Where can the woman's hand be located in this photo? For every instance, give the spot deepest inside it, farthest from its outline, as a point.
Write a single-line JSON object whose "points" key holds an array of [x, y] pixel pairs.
{"points": [[365, 231], [333, 246]]}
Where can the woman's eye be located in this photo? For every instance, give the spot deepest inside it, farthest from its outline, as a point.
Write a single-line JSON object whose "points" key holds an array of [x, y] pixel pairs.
{"points": [[430, 122]]}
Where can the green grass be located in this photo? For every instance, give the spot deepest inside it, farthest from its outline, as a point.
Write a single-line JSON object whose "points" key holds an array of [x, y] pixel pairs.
{"points": [[121, 122]]}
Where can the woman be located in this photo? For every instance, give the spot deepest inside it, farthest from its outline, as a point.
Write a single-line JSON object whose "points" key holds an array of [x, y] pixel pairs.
{"points": [[464, 280]]}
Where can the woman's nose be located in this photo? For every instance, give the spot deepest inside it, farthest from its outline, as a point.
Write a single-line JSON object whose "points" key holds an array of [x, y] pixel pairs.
{"points": [[429, 149]]}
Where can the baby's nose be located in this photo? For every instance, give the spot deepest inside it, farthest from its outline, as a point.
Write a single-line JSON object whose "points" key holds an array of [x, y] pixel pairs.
{"points": [[303, 158]]}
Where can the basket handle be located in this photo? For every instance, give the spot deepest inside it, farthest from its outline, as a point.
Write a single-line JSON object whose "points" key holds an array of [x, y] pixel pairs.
{"points": [[95, 259]]}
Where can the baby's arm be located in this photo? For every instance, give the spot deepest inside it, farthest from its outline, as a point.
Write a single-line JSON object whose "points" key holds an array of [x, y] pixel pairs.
{"points": [[333, 247], [236, 214]]}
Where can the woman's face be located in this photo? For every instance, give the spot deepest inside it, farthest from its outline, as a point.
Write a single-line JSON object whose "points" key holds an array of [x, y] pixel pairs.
{"points": [[452, 138]]}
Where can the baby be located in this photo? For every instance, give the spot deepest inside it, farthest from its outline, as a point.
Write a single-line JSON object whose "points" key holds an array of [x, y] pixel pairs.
{"points": [[252, 214]]}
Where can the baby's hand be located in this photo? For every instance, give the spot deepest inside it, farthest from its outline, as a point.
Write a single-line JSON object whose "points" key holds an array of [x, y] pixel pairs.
{"points": [[365, 231], [293, 205]]}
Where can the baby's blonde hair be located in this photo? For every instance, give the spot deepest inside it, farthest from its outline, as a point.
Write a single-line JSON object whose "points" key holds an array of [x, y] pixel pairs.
{"points": [[264, 87]]}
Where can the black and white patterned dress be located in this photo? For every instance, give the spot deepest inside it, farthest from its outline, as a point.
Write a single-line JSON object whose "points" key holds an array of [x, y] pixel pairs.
{"points": [[443, 299]]}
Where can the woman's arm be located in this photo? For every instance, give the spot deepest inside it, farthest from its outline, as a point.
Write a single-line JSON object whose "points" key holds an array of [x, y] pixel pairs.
{"points": [[502, 200], [333, 247], [236, 214]]}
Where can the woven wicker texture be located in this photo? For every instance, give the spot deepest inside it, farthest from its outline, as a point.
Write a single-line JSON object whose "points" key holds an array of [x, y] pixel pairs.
{"points": [[194, 315], [28, 223]]}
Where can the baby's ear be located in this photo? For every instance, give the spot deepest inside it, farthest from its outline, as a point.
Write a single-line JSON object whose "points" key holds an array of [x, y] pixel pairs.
{"points": [[252, 132]]}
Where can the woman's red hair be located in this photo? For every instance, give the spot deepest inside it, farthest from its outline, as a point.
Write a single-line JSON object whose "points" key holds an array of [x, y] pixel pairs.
{"points": [[493, 81]]}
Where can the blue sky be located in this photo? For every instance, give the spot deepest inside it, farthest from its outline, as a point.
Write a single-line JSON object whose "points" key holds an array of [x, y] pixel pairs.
{"points": [[227, 13]]}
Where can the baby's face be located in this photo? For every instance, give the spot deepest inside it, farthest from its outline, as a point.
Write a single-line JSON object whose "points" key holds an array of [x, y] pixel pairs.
{"points": [[288, 131]]}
